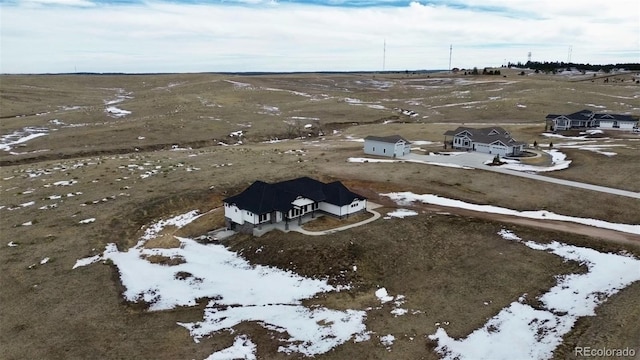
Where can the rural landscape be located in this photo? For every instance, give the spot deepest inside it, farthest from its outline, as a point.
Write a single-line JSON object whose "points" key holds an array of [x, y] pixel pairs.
{"points": [[115, 246]]}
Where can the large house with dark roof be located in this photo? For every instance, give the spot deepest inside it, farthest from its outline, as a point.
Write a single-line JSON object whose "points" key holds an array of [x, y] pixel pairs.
{"points": [[391, 146], [491, 140], [287, 201], [585, 119]]}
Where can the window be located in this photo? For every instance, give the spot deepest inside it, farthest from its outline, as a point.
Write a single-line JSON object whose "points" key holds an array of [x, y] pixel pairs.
{"points": [[374, 148], [384, 150]]}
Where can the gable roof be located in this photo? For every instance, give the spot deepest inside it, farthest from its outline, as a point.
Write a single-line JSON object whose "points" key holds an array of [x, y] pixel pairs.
{"points": [[261, 197], [581, 115], [392, 139], [618, 117], [590, 115], [485, 135]]}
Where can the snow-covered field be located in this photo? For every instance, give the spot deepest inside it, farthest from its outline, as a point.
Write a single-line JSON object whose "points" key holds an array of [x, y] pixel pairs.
{"points": [[521, 331], [11, 140], [273, 297], [245, 293]]}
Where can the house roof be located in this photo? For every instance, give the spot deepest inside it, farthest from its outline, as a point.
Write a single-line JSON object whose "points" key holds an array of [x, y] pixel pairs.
{"points": [[486, 135], [589, 115], [617, 117], [392, 139], [581, 115], [261, 197]]}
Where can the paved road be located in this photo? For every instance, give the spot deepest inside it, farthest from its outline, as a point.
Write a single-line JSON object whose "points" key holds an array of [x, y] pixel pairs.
{"points": [[476, 161]]}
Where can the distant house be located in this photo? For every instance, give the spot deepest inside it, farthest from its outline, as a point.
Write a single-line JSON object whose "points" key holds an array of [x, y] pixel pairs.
{"points": [[585, 119], [491, 140], [286, 201], [392, 146]]}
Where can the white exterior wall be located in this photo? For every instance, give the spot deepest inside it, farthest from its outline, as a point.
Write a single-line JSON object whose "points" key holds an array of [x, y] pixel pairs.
{"points": [[493, 149], [459, 142], [240, 216], [250, 217], [232, 212], [357, 206], [606, 124], [626, 125], [402, 148], [373, 147], [345, 209], [330, 208]]}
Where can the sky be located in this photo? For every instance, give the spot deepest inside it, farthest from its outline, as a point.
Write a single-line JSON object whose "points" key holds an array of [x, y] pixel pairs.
{"points": [[62, 36]]}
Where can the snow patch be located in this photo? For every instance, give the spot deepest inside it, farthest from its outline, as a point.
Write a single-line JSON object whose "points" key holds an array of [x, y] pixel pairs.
{"points": [[242, 348], [406, 198], [537, 332], [383, 296], [402, 213]]}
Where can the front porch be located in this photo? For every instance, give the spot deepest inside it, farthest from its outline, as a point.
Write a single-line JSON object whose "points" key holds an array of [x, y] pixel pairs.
{"points": [[286, 226], [296, 224]]}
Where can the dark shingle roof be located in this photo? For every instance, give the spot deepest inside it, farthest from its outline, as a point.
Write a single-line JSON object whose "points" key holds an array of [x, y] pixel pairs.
{"points": [[588, 115], [581, 115], [619, 117], [486, 135], [392, 139], [261, 197]]}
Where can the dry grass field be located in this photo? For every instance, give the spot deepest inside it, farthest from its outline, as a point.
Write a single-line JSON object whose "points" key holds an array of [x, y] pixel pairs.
{"points": [[180, 148]]}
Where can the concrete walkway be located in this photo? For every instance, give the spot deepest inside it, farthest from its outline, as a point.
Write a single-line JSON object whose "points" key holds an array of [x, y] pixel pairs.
{"points": [[293, 226], [476, 160], [370, 208]]}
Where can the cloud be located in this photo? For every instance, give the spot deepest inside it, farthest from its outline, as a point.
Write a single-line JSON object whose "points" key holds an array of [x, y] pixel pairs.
{"points": [[63, 35]]}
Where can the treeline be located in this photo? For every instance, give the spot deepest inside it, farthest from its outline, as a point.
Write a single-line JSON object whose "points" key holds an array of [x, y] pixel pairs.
{"points": [[485, 71], [555, 66]]}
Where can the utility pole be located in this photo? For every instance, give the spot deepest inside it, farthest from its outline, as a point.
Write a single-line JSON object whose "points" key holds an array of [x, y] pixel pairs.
{"points": [[450, 52], [384, 54]]}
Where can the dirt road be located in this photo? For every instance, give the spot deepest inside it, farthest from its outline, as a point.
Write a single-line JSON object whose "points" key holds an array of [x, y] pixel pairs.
{"points": [[580, 229]]}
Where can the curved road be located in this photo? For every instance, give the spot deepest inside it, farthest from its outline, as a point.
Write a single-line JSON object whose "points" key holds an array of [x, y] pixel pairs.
{"points": [[476, 160]]}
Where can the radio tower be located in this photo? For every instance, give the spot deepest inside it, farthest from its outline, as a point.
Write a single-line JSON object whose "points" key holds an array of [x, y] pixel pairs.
{"points": [[384, 54], [570, 50], [529, 57], [450, 52]]}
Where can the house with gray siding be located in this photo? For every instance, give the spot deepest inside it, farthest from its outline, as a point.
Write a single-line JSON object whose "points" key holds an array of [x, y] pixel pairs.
{"points": [[492, 140], [391, 146], [587, 119]]}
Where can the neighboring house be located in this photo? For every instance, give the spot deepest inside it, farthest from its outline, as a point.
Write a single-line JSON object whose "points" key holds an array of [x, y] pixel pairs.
{"points": [[287, 201], [392, 146], [588, 119], [491, 140]]}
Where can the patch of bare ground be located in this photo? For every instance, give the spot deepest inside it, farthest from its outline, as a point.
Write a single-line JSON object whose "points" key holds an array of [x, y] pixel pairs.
{"points": [[164, 241], [620, 315], [327, 222], [452, 270], [213, 219], [129, 176], [618, 171], [483, 187], [165, 260]]}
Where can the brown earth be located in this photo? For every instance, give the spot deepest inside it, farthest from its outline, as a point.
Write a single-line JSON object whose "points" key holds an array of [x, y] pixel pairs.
{"points": [[128, 175]]}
